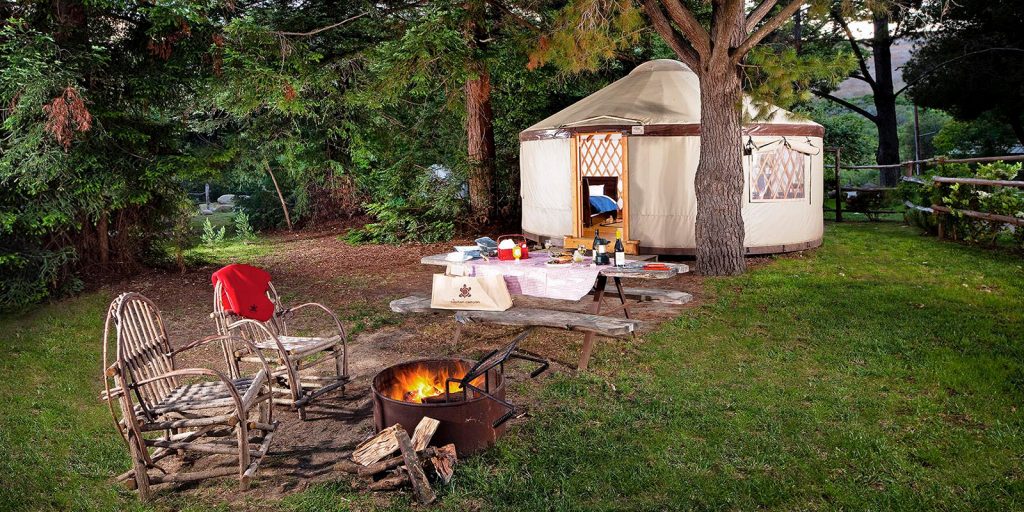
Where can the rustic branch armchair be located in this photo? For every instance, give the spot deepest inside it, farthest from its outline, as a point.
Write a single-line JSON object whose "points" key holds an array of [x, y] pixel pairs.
{"points": [[294, 353], [193, 409]]}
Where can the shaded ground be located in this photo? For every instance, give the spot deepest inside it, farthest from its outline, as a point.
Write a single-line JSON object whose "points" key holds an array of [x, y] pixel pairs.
{"points": [[358, 283]]}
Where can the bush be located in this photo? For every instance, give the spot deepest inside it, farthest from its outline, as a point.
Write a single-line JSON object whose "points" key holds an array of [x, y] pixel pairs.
{"points": [[866, 201], [211, 236], [263, 209], [33, 276], [426, 213], [1006, 201], [243, 229]]}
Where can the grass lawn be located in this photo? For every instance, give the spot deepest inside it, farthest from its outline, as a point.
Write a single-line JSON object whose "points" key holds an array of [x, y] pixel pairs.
{"points": [[883, 371]]}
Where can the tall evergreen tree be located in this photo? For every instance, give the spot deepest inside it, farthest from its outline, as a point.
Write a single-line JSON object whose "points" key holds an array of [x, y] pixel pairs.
{"points": [[973, 63]]}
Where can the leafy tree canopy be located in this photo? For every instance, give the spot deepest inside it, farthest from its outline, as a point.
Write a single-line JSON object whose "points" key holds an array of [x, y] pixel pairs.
{"points": [[973, 62]]}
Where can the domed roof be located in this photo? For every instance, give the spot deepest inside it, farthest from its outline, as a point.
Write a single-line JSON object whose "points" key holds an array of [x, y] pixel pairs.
{"points": [[657, 92]]}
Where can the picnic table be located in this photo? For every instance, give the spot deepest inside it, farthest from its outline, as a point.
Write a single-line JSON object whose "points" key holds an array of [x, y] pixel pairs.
{"points": [[534, 277]]}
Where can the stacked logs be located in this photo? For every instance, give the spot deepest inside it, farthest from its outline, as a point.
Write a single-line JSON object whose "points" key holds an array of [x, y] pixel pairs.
{"points": [[376, 460]]}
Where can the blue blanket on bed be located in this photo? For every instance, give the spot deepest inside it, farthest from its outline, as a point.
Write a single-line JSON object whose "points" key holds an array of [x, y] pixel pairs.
{"points": [[603, 204]]}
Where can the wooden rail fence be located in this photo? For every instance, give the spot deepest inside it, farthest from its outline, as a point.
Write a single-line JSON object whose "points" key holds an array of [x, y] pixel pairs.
{"points": [[909, 167], [940, 210]]}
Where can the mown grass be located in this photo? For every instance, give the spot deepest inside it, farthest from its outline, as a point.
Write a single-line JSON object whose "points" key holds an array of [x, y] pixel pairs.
{"points": [[883, 371]]}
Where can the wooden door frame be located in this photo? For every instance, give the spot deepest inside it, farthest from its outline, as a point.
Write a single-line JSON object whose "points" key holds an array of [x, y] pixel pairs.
{"points": [[577, 176]]}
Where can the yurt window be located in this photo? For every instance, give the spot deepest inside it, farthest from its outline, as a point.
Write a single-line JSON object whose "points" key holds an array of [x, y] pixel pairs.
{"points": [[778, 175]]}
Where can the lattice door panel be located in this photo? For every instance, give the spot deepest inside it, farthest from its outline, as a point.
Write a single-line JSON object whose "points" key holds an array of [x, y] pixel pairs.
{"points": [[778, 175], [600, 154]]}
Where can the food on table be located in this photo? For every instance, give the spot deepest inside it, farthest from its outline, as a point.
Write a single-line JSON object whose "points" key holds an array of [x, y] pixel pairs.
{"points": [[656, 266], [561, 259]]}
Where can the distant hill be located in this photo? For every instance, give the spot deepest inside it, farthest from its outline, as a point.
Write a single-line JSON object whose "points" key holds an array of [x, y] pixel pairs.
{"points": [[852, 87]]}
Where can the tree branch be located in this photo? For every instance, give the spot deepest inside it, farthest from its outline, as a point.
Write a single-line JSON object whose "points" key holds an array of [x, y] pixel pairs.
{"points": [[759, 13], [724, 31], [521, 21], [322, 29], [861, 60], [940, 65], [769, 27], [692, 30], [860, 77], [871, 117], [683, 49], [346, 21]]}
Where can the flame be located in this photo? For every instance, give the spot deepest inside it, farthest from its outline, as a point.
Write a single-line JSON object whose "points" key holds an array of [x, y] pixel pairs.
{"points": [[417, 381]]}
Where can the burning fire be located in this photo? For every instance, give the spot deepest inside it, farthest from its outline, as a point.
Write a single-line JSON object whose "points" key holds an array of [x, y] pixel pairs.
{"points": [[416, 382]]}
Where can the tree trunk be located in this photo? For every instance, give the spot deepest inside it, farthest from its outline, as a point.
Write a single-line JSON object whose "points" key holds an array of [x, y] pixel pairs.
{"points": [[103, 237], [280, 197], [71, 27], [719, 179], [885, 102], [480, 144], [798, 32]]}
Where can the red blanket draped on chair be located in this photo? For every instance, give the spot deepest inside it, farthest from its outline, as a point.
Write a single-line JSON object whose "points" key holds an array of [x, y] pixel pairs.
{"points": [[244, 291]]}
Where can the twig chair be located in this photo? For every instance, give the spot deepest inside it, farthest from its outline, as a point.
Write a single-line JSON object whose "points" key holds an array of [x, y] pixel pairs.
{"points": [[294, 353], [163, 410]]}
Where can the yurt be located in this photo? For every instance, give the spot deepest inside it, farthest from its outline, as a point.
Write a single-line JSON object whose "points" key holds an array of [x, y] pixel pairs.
{"points": [[625, 158]]}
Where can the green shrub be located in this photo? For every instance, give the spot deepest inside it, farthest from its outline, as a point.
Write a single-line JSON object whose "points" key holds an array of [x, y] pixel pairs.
{"points": [[243, 229], [1007, 201], [211, 236], [866, 201], [263, 209], [428, 212], [32, 276]]}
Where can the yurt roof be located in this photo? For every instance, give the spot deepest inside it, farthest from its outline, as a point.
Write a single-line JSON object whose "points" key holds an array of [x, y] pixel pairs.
{"points": [[658, 92]]}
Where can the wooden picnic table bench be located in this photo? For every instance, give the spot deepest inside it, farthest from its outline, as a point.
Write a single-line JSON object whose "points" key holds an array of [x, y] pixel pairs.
{"points": [[529, 318], [526, 317]]}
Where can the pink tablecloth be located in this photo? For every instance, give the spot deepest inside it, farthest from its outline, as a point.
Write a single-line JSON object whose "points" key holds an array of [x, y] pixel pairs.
{"points": [[535, 278]]}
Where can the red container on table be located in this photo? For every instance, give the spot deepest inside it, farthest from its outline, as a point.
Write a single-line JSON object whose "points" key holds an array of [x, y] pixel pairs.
{"points": [[506, 254]]}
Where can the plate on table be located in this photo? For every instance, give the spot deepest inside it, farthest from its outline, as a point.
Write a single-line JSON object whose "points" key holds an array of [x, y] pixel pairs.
{"points": [[559, 261]]}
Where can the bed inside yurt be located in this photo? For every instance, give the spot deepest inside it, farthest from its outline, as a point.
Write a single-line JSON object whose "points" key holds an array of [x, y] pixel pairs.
{"points": [[625, 158]]}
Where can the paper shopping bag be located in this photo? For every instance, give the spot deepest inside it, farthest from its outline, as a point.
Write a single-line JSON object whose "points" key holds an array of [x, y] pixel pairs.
{"points": [[478, 293]]}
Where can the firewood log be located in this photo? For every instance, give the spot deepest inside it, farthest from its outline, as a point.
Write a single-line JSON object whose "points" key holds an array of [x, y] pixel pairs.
{"points": [[399, 479], [424, 433], [420, 485], [377, 447], [443, 460], [391, 463], [440, 399], [348, 467]]}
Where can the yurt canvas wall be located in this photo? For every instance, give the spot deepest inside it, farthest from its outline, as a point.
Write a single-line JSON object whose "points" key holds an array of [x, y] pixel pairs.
{"points": [[655, 111]]}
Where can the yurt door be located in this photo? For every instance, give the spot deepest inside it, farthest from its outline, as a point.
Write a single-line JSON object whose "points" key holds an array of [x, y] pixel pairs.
{"points": [[601, 192]]}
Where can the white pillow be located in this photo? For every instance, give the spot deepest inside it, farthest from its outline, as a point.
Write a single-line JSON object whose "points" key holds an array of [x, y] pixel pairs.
{"points": [[597, 190]]}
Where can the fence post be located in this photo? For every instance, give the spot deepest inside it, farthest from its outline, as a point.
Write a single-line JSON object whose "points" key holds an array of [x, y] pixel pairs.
{"points": [[839, 190]]}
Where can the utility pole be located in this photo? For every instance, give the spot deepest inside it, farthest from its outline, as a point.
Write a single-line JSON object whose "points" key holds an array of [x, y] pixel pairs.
{"points": [[917, 142]]}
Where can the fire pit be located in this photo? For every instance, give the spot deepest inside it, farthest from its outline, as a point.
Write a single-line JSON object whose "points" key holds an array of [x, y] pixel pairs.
{"points": [[467, 398]]}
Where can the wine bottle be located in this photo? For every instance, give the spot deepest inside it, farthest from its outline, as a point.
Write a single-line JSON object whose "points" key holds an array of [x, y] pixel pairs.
{"points": [[594, 246], [620, 250]]}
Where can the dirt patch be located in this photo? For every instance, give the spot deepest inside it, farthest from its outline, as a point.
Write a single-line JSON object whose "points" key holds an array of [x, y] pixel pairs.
{"points": [[357, 283]]}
